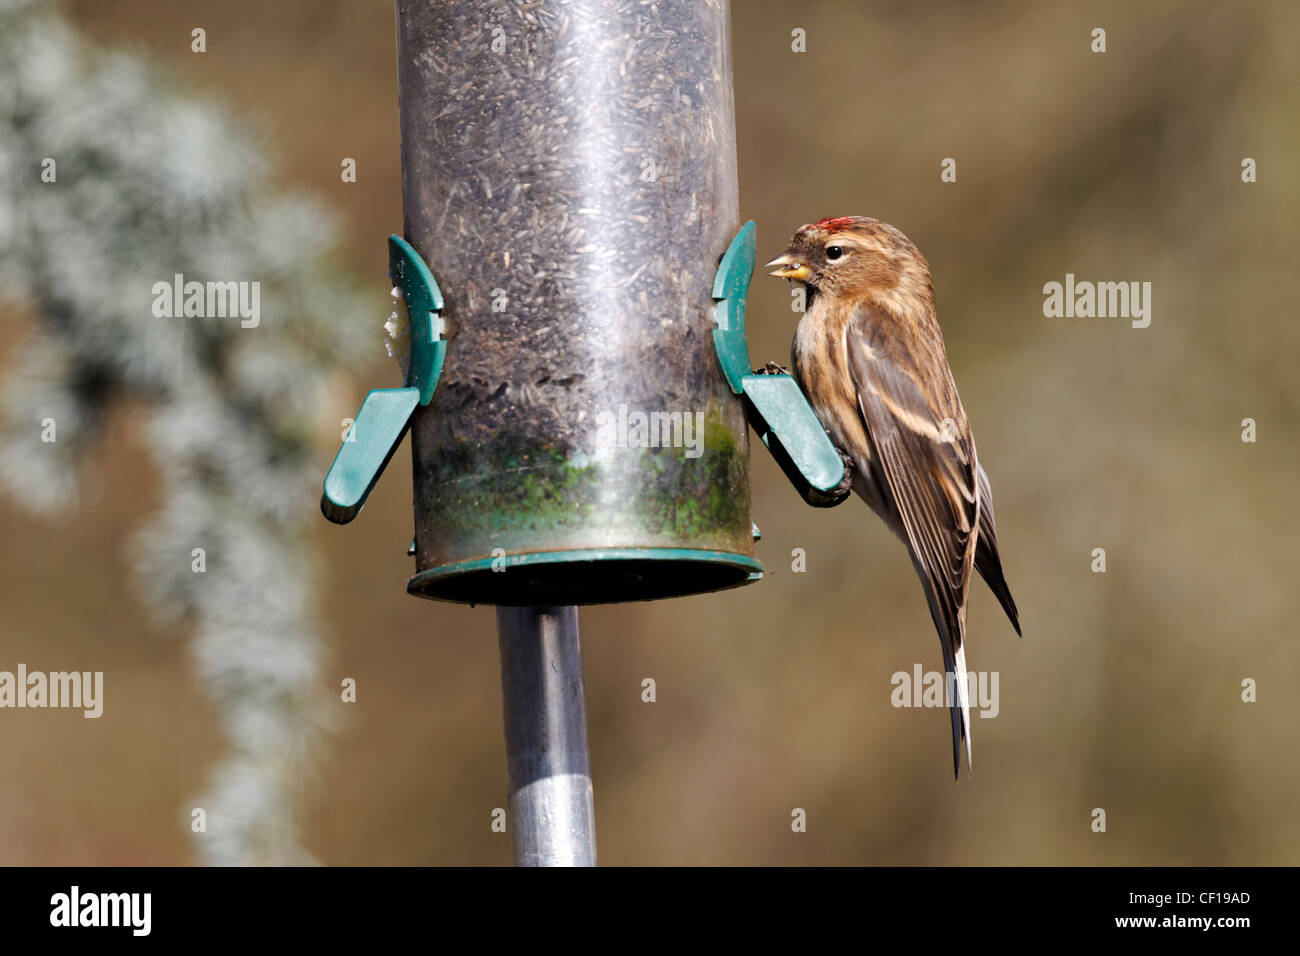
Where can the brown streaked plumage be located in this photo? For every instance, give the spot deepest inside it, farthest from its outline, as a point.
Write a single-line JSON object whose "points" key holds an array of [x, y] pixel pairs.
{"points": [[869, 355]]}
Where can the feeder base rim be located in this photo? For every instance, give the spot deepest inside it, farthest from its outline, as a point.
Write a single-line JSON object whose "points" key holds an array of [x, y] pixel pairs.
{"points": [[437, 583]]}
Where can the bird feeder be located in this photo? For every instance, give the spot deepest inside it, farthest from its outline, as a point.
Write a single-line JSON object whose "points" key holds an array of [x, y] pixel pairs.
{"points": [[579, 384]]}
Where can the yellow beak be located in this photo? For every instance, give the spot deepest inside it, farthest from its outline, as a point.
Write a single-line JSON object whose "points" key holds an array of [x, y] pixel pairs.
{"points": [[787, 267]]}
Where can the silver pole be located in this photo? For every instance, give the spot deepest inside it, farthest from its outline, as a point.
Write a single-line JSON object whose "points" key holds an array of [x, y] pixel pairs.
{"points": [[552, 818]]}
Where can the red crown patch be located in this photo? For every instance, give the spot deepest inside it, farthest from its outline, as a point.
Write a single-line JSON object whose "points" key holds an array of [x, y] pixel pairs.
{"points": [[838, 222]]}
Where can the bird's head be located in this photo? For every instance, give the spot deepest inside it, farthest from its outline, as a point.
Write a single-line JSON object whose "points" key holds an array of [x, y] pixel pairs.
{"points": [[854, 255]]}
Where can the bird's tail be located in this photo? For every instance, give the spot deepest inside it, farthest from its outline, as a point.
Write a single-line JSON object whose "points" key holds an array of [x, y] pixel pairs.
{"points": [[958, 707], [950, 621]]}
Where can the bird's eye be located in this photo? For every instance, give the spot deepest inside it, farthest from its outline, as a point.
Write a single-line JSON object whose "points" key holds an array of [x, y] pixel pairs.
{"points": [[834, 252]]}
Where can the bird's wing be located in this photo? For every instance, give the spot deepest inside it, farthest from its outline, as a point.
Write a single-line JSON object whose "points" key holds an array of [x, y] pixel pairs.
{"points": [[926, 455], [987, 561]]}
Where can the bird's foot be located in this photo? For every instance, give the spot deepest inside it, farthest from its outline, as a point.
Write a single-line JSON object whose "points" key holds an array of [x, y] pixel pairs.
{"points": [[771, 368], [841, 491]]}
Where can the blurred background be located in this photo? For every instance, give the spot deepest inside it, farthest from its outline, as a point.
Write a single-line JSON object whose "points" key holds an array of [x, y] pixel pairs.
{"points": [[1125, 692]]}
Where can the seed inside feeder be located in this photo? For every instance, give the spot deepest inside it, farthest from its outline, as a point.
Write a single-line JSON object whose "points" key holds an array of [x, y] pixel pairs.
{"points": [[398, 342]]}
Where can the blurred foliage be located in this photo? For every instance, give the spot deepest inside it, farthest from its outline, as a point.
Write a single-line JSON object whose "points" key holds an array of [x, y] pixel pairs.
{"points": [[145, 185]]}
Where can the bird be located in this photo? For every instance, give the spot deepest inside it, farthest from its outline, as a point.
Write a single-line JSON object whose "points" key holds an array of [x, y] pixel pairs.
{"points": [[869, 355]]}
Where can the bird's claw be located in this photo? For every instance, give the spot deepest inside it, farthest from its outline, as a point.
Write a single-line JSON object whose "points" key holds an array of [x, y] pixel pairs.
{"points": [[771, 368], [841, 491]]}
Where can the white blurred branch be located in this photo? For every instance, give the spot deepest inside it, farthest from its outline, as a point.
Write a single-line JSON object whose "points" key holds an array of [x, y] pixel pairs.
{"points": [[150, 184]]}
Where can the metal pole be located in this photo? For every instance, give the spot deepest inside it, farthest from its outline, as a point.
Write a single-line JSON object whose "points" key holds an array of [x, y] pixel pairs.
{"points": [[552, 813]]}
